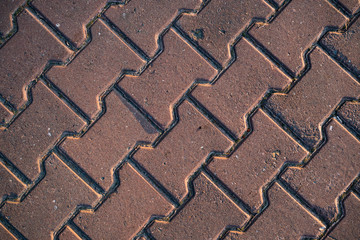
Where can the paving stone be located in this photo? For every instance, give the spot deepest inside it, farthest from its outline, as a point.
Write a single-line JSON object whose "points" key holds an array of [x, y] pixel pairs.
{"points": [[295, 29], [57, 195], [204, 217], [125, 211], [7, 8], [283, 219], [168, 77], [182, 150], [329, 172], [218, 24], [257, 160], [348, 226], [314, 97], [69, 16], [67, 234], [143, 23], [240, 87], [94, 69], [20, 65], [351, 5], [36, 129], [5, 234], [346, 46], [350, 112], [4, 114], [9, 186], [107, 142]]}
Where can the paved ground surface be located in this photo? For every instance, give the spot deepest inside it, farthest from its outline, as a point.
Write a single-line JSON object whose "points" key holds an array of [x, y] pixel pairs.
{"points": [[163, 119]]}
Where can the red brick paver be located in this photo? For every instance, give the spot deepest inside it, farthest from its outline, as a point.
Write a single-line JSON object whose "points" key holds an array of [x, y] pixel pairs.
{"points": [[196, 119]]}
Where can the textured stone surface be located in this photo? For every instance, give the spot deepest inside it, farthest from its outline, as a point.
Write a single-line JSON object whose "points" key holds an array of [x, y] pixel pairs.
{"points": [[314, 97], [5, 234], [67, 234], [350, 112], [283, 219], [94, 69], [9, 186], [102, 147], [295, 29], [126, 211], [167, 78], [216, 26], [37, 129], [20, 65], [69, 16], [204, 217], [182, 151], [240, 87], [348, 226], [56, 195], [346, 46], [7, 8], [256, 160], [351, 5], [142, 23], [329, 172]]}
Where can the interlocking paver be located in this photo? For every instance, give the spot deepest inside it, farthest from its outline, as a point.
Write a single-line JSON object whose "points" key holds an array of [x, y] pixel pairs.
{"points": [[182, 150], [215, 27], [240, 87], [106, 143], [143, 23], [36, 129], [69, 16], [348, 226], [7, 8], [351, 5], [256, 160], [350, 112], [4, 114], [329, 172], [56, 195], [295, 29], [67, 234], [126, 211], [9, 186], [283, 219], [167, 78], [5, 234], [346, 46], [20, 65], [314, 97], [95, 68], [204, 217]]}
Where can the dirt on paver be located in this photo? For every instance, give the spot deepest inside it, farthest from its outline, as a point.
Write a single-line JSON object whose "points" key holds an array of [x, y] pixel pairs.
{"points": [[196, 119]]}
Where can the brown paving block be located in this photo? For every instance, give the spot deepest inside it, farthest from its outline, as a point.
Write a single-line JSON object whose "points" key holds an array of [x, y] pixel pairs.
{"points": [[329, 172], [4, 114], [204, 217], [348, 228], [182, 150], [220, 22], [50, 202], [36, 129], [67, 234], [167, 78], [107, 142], [7, 8], [25, 55], [9, 185], [295, 29], [5, 234], [240, 87], [142, 23], [346, 46], [314, 97], [350, 112], [283, 219], [351, 5], [126, 211], [69, 16], [257, 160], [94, 69]]}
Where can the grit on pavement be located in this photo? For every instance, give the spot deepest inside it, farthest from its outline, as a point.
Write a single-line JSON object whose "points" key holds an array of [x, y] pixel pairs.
{"points": [[193, 119]]}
